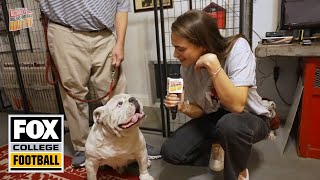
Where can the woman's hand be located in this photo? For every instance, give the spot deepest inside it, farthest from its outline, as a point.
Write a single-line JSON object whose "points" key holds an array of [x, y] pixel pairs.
{"points": [[172, 100], [209, 61]]}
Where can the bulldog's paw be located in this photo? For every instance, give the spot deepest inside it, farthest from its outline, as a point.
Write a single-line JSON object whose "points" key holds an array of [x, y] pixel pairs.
{"points": [[149, 163], [145, 176]]}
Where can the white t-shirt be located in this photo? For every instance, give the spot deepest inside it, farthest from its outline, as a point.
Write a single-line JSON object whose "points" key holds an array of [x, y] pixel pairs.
{"points": [[240, 66]]}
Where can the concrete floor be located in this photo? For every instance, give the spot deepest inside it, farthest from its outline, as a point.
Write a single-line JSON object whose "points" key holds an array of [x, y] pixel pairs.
{"points": [[266, 162]]}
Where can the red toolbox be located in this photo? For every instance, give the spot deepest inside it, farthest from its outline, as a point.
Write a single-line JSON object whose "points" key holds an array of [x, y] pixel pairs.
{"points": [[309, 132], [217, 12]]}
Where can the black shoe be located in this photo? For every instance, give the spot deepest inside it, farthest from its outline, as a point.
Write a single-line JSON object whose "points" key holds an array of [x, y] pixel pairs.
{"points": [[153, 153], [78, 161]]}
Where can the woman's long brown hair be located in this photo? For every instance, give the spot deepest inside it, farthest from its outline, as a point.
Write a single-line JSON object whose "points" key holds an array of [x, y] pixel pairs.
{"points": [[201, 29]]}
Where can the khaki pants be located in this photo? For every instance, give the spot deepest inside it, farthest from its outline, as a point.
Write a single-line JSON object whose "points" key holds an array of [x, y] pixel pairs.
{"points": [[80, 57]]}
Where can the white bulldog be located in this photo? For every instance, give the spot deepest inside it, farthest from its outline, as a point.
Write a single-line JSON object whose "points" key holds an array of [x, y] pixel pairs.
{"points": [[115, 139]]}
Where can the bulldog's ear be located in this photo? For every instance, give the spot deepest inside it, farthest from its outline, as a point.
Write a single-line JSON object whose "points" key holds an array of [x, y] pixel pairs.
{"points": [[98, 114]]}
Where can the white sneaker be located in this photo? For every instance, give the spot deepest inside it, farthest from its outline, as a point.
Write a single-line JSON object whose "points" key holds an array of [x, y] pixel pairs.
{"points": [[242, 178], [216, 162]]}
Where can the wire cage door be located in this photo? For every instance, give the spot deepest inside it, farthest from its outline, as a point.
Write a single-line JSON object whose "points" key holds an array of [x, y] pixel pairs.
{"points": [[233, 17]]}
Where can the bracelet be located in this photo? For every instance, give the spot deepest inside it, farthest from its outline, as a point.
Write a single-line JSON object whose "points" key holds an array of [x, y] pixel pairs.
{"points": [[215, 74]]}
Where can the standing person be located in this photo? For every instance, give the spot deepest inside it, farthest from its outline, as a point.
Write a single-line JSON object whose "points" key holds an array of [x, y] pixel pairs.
{"points": [[220, 96], [86, 40]]}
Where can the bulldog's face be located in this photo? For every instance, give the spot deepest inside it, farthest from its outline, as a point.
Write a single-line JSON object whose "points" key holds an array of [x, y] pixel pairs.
{"points": [[121, 112]]}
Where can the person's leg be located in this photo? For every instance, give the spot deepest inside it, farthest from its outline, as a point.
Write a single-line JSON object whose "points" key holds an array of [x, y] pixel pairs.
{"points": [[191, 143], [101, 58], [182, 147], [70, 54], [237, 133]]}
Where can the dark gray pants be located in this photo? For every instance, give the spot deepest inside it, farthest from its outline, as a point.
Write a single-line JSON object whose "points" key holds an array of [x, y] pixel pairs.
{"points": [[191, 143]]}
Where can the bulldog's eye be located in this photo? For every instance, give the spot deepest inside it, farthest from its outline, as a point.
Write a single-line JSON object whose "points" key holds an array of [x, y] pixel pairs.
{"points": [[119, 103]]}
